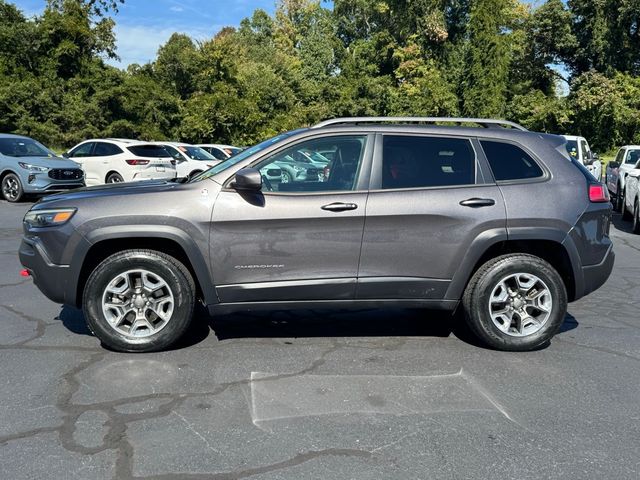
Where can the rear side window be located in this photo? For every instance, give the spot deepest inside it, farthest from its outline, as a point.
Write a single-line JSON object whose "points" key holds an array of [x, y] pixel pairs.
{"points": [[510, 162], [422, 162], [106, 149], [152, 151]]}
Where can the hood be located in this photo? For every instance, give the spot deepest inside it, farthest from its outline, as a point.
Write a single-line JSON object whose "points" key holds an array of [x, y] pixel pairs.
{"points": [[49, 162], [110, 190]]}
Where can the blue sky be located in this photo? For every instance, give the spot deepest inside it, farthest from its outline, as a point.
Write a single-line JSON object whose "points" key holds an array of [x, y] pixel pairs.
{"points": [[143, 25]]}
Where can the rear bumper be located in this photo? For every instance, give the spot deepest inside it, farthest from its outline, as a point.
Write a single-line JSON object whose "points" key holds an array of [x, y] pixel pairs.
{"points": [[594, 276]]}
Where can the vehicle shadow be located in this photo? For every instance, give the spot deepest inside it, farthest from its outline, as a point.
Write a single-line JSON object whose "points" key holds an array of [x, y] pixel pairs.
{"points": [[380, 322], [384, 322]]}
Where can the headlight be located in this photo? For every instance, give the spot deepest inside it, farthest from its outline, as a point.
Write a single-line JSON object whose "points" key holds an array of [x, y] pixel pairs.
{"points": [[33, 168], [48, 218]]}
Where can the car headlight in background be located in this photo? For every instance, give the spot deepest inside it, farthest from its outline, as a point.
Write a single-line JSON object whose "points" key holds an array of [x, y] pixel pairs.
{"points": [[48, 218], [33, 168]]}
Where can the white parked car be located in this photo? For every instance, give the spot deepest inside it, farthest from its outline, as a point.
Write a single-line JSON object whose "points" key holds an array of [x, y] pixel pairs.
{"points": [[120, 160], [190, 160], [221, 152], [627, 161], [578, 148]]}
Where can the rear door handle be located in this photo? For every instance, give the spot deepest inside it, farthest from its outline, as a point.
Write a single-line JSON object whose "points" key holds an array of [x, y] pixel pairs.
{"points": [[478, 202], [340, 207]]}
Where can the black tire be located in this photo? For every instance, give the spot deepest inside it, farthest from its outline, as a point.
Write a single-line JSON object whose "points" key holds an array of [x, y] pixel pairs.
{"points": [[193, 174], [476, 303], [12, 190], [176, 276], [618, 205], [114, 178], [626, 214], [636, 218]]}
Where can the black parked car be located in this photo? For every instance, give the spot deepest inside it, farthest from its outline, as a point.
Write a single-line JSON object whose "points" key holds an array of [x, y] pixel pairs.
{"points": [[498, 222]]}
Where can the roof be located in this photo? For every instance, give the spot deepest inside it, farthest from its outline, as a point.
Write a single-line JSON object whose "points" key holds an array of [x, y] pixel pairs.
{"points": [[482, 122], [11, 135]]}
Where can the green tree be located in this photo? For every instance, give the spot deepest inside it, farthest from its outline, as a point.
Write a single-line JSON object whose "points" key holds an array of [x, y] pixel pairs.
{"points": [[488, 58]]}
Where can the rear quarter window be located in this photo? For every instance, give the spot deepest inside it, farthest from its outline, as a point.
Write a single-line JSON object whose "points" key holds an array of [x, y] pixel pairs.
{"points": [[152, 151], [510, 162]]}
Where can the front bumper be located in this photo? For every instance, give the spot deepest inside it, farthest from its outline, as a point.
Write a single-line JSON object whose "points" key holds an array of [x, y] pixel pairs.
{"points": [[54, 281], [40, 182]]}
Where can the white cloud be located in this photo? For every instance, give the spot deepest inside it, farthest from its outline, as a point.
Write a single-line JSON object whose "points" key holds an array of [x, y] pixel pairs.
{"points": [[140, 43], [176, 9]]}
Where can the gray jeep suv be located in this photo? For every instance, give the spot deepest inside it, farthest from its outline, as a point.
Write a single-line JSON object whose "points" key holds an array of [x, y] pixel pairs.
{"points": [[495, 221]]}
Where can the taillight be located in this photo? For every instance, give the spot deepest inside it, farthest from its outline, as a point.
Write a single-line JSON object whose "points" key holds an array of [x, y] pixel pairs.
{"points": [[598, 193], [138, 162]]}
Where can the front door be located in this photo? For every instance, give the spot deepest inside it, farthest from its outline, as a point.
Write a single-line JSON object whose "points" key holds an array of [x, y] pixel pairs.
{"points": [[297, 239], [428, 203]]}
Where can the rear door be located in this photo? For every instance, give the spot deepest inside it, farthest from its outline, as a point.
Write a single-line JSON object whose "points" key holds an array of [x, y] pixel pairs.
{"points": [[428, 202], [294, 240]]}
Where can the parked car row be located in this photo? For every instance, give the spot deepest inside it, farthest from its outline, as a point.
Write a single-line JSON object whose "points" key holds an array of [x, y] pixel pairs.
{"points": [[622, 178], [29, 168]]}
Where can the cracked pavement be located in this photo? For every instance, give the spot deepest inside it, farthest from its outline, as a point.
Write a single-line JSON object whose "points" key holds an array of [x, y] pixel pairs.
{"points": [[365, 394]]}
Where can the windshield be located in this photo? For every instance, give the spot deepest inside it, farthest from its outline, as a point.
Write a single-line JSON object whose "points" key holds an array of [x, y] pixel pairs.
{"points": [[231, 161], [23, 147], [572, 148], [196, 153]]}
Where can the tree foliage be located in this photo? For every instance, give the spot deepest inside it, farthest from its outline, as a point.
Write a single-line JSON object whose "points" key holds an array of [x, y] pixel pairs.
{"points": [[307, 62]]}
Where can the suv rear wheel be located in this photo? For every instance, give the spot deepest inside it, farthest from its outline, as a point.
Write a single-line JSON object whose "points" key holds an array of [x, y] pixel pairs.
{"points": [[139, 301], [115, 178], [515, 302]]}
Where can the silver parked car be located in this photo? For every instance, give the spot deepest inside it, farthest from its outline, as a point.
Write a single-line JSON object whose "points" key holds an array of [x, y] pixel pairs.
{"points": [[28, 167]]}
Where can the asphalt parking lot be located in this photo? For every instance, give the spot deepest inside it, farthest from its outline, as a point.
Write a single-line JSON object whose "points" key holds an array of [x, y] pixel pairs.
{"points": [[312, 394]]}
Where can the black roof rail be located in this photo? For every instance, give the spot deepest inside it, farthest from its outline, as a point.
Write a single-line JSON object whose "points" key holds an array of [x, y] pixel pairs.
{"points": [[483, 122]]}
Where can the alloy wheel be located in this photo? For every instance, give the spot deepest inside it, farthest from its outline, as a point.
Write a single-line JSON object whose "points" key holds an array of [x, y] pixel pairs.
{"points": [[520, 304], [10, 188], [138, 303]]}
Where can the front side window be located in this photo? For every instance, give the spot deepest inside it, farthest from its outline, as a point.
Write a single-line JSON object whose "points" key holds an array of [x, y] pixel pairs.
{"points": [[299, 169], [174, 153], [584, 150], [82, 151], [619, 156], [510, 162], [423, 162]]}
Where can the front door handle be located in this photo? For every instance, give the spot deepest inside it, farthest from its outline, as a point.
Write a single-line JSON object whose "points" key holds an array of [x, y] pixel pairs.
{"points": [[340, 207], [478, 202]]}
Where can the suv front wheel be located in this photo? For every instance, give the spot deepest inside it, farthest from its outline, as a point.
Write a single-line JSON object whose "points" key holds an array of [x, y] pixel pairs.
{"points": [[515, 302], [139, 301]]}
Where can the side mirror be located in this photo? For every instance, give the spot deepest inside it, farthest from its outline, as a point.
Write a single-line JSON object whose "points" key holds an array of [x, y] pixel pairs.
{"points": [[65, 154], [614, 165], [595, 156], [247, 180]]}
